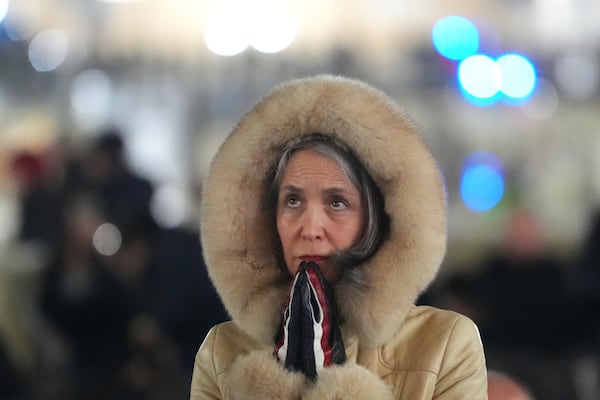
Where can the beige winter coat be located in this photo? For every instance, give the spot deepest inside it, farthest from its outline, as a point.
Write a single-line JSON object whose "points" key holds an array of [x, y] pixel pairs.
{"points": [[395, 350]]}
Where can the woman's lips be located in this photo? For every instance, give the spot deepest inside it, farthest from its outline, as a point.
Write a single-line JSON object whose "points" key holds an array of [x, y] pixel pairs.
{"points": [[315, 259]]}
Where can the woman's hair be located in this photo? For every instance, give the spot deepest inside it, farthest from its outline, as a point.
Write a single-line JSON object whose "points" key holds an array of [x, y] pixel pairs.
{"points": [[376, 221]]}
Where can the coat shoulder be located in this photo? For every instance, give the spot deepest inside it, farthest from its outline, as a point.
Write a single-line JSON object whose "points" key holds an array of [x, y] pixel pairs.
{"points": [[433, 316], [422, 341], [226, 341]]}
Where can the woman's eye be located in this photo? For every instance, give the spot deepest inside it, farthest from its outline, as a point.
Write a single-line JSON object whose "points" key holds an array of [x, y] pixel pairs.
{"points": [[338, 204], [293, 202]]}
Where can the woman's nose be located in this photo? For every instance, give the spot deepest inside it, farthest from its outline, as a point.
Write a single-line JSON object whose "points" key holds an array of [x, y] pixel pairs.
{"points": [[312, 225]]}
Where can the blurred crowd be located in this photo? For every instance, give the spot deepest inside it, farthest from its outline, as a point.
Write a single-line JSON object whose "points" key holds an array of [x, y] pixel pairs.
{"points": [[77, 323], [80, 322], [537, 314]]}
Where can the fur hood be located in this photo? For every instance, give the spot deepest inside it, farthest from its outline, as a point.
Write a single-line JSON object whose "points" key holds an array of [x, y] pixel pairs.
{"points": [[238, 231]]}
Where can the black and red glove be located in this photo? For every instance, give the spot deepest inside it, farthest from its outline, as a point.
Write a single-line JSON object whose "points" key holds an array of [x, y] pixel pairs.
{"points": [[309, 338]]}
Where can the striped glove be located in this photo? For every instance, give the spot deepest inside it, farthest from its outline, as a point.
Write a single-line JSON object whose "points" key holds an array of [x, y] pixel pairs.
{"points": [[309, 338]]}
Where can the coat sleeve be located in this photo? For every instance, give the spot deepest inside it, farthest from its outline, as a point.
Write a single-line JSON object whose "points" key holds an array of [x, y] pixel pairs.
{"points": [[348, 382], [204, 378], [463, 373], [255, 375]]}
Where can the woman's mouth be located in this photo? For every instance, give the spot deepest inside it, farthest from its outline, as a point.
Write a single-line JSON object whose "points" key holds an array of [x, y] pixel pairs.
{"points": [[312, 258]]}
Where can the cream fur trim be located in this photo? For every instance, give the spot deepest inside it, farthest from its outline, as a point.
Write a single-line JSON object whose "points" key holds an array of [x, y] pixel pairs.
{"points": [[348, 382], [258, 376]]}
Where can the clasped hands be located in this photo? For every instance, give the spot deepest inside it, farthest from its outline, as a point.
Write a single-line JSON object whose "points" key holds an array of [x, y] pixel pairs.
{"points": [[309, 338]]}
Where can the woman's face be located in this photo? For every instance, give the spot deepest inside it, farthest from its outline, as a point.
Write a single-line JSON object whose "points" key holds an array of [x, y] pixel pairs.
{"points": [[319, 211]]}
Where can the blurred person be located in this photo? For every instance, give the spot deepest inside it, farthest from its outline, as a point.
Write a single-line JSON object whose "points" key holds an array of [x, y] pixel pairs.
{"points": [[524, 310], [323, 219], [457, 292], [503, 387], [174, 305], [88, 308], [39, 218], [587, 286], [155, 366], [521, 291], [157, 276], [124, 195], [188, 304], [591, 252], [12, 384], [41, 201]]}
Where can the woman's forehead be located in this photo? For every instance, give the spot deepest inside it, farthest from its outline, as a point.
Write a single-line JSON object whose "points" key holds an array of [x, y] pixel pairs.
{"points": [[308, 164]]}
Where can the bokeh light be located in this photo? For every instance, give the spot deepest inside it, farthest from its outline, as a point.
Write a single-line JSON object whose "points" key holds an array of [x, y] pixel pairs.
{"points": [[22, 20], [455, 37], [273, 29], [152, 140], [48, 50], [91, 98], [235, 25], [577, 77], [518, 76], [3, 9], [107, 239], [484, 80], [226, 30], [169, 206], [482, 182], [479, 76]]}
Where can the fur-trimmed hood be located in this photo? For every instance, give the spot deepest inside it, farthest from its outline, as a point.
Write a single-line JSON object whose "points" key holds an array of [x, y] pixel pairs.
{"points": [[238, 230]]}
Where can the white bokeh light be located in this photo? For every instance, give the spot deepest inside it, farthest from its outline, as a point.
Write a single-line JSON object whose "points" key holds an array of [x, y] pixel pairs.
{"points": [[273, 28], [169, 206], [107, 239], [233, 26], [48, 50], [3, 9], [480, 76], [91, 98], [226, 31], [22, 20], [153, 144]]}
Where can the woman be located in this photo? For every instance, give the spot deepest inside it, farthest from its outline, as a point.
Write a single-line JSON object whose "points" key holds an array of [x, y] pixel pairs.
{"points": [[324, 185]]}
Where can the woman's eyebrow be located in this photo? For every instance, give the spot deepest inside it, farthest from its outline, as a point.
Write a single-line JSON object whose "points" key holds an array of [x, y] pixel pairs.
{"points": [[336, 190], [290, 188]]}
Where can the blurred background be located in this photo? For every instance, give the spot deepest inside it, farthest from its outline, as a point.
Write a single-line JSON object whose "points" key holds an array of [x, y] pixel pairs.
{"points": [[110, 112]]}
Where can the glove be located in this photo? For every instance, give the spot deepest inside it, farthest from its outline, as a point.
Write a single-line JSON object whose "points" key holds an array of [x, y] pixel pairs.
{"points": [[309, 338]]}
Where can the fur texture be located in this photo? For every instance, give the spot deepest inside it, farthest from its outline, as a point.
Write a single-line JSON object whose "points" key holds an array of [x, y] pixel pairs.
{"points": [[350, 382], [237, 227], [258, 376]]}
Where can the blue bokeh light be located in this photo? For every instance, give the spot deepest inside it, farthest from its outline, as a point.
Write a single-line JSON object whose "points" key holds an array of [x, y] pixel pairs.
{"points": [[455, 37], [518, 76], [482, 182]]}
